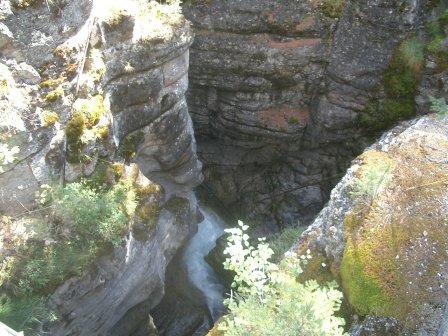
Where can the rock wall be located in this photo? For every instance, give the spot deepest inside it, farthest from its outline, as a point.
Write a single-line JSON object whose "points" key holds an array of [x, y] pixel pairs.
{"points": [[148, 101], [141, 76], [277, 92]]}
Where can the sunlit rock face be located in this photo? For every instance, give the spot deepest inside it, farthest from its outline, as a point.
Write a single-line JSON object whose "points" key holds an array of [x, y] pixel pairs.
{"points": [[276, 95], [144, 85], [384, 238]]}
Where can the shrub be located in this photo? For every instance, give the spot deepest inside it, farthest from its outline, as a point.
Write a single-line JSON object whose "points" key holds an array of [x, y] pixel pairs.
{"points": [[269, 300], [20, 314], [97, 216], [373, 178], [412, 51], [438, 105], [88, 218], [284, 241]]}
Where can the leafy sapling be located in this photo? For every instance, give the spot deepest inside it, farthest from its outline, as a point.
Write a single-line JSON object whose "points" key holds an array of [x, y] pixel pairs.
{"points": [[7, 155]]}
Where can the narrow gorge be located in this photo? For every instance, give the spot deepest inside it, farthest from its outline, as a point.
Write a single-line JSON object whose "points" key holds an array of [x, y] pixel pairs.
{"points": [[121, 121]]}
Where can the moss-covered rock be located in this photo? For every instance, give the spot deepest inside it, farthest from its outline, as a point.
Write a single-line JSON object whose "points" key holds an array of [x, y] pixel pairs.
{"points": [[388, 249], [395, 247]]}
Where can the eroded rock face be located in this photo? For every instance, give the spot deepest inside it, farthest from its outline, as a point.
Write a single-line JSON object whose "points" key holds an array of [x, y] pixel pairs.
{"points": [[276, 93], [141, 83], [144, 85]]}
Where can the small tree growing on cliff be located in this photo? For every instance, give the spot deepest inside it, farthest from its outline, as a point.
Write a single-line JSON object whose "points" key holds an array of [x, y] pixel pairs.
{"points": [[267, 300]]}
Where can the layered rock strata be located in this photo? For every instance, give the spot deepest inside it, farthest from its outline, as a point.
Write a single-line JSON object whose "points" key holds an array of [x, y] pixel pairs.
{"points": [[144, 85], [85, 52], [277, 92]]}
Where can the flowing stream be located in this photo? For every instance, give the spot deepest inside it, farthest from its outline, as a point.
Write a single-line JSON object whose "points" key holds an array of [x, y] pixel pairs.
{"points": [[200, 274]]}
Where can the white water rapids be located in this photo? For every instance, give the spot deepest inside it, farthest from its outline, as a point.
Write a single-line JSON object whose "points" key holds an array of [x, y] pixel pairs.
{"points": [[199, 272]]}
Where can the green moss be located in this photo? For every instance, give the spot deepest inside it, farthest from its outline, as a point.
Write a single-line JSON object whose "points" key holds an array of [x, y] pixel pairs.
{"points": [[179, 207], [128, 148], [362, 290], [119, 170], [50, 83], [293, 121], [49, 118], [74, 130], [92, 109], [333, 8], [86, 113], [318, 268], [102, 133], [4, 88], [54, 95], [23, 3], [400, 83], [385, 269]]}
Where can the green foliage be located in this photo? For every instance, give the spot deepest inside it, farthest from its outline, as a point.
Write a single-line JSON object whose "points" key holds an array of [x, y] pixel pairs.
{"points": [[99, 217], [49, 265], [333, 8], [284, 241], [251, 265], [293, 121], [7, 155], [374, 178], [269, 300], [412, 51], [438, 105], [88, 218], [22, 313]]}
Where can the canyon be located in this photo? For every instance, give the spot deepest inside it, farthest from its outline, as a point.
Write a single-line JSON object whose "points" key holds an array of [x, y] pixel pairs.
{"points": [[260, 106]]}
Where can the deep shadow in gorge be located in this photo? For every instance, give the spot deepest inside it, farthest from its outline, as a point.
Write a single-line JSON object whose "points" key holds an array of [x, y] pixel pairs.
{"points": [[284, 97]]}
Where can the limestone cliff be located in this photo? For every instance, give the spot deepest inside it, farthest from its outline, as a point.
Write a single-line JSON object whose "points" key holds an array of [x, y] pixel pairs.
{"points": [[282, 95], [88, 88], [382, 234]]}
